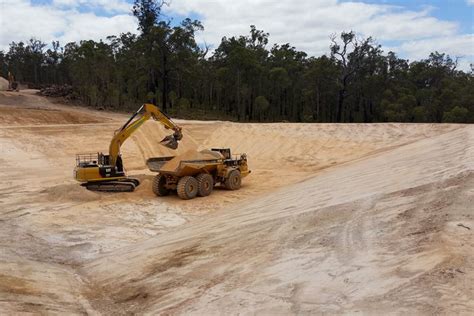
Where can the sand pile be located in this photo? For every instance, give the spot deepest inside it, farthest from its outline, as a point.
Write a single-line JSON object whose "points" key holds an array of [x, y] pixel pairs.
{"points": [[71, 192], [192, 154], [3, 84]]}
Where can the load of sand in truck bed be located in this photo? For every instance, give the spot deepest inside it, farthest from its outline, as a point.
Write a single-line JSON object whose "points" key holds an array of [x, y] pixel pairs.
{"points": [[190, 155]]}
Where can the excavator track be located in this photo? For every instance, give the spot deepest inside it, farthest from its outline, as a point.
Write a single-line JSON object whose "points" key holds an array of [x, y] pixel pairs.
{"points": [[125, 185]]}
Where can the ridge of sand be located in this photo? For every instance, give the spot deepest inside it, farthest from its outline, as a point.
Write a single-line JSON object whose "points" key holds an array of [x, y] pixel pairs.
{"points": [[192, 154]]}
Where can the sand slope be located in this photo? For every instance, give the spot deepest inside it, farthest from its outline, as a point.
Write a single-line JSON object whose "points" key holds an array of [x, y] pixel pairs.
{"points": [[335, 218], [375, 236]]}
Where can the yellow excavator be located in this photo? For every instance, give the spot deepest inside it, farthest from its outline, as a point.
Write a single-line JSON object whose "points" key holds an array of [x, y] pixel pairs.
{"points": [[100, 172]]}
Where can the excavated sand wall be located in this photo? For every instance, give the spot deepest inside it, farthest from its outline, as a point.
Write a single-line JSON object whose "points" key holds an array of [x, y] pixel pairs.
{"points": [[312, 146]]}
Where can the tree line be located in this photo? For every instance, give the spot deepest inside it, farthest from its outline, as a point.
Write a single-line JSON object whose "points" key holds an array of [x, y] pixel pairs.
{"points": [[245, 79]]}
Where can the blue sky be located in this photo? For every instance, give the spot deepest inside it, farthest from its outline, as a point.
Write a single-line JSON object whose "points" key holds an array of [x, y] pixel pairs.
{"points": [[411, 28], [450, 10]]}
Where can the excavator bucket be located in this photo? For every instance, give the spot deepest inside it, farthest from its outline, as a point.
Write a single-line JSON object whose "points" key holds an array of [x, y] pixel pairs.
{"points": [[170, 141]]}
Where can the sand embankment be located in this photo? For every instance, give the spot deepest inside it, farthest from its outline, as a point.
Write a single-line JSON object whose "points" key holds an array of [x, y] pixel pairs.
{"points": [[335, 218]]}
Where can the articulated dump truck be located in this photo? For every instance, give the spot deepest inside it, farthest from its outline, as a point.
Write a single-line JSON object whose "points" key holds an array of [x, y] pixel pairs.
{"points": [[196, 173]]}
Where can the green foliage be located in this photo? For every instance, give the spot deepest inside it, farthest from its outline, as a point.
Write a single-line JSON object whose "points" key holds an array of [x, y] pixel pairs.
{"points": [[147, 12], [173, 97], [419, 114], [457, 115], [183, 104], [261, 106], [394, 112], [244, 79]]}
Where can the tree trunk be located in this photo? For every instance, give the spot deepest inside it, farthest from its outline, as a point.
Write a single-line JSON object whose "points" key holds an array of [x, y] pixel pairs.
{"points": [[340, 104], [164, 92]]}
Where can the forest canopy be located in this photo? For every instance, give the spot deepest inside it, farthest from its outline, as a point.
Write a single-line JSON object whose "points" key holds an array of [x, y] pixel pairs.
{"points": [[244, 78]]}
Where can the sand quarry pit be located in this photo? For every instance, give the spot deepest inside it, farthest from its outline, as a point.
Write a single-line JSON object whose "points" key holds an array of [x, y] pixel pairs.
{"points": [[334, 219]]}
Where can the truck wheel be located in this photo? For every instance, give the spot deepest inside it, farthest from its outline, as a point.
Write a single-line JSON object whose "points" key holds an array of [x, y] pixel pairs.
{"points": [[187, 188], [205, 184], [233, 181], [159, 185]]}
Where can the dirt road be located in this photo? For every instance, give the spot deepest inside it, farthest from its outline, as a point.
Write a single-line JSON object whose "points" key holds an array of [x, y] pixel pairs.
{"points": [[335, 218]]}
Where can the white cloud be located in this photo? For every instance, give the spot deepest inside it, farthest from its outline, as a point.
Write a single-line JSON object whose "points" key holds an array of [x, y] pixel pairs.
{"points": [[106, 5], [459, 46], [307, 24], [20, 20], [470, 2], [79, 26]]}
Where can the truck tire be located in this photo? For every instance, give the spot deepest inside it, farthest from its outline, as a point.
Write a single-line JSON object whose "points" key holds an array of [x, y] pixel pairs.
{"points": [[187, 188], [233, 181], [159, 185], [205, 184]]}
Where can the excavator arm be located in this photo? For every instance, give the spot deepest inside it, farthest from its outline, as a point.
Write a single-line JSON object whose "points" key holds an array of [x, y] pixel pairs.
{"points": [[144, 113]]}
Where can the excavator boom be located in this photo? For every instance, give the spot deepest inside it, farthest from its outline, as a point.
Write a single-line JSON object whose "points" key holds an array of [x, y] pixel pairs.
{"points": [[146, 111], [170, 141]]}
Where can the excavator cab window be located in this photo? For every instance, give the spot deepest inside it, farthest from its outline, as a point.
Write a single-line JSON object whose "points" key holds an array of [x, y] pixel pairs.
{"points": [[119, 164], [103, 159]]}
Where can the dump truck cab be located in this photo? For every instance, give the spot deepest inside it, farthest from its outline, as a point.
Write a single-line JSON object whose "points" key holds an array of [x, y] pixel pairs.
{"points": [[239, 162]]}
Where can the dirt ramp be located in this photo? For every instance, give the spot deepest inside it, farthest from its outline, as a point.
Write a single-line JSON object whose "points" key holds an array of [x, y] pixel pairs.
{"points": [[26, 108]]}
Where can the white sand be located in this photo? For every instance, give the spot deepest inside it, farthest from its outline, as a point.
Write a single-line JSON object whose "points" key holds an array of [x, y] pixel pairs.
{"points": [[334, 219]]}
